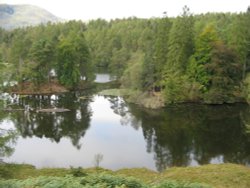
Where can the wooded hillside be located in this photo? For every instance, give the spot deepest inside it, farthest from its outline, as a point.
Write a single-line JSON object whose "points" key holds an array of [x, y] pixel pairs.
{"points": [[190, 58]]}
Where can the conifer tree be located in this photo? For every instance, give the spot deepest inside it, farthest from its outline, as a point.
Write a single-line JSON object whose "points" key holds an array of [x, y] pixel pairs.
{"points": [[180, 45]]}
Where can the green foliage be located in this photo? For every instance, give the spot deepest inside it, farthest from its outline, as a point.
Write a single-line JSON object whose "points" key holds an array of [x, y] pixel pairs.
{"points": [[181, 177], [32, 52], [5, 76], [73, 59], [202, 56], [4, 173], [216, 68], [148, 69], [77, 172], [181, 45], [181, 89], [111, 181], [175, 184], [161, 46], [156, 55], [239, 39], [225, 75], [68, 67], [131, 77], [100, 180], [41, 53], [247, 88], [20, 45], [74, 182], [119, 61]]}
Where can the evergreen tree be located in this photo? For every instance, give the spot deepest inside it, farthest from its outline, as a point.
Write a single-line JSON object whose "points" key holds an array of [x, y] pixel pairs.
{"points": [[180, 45], [239, 34], [202, 56], [42, 54], [73, 59], [225, 75], [148, 69], [161, 48], [19, 50]]}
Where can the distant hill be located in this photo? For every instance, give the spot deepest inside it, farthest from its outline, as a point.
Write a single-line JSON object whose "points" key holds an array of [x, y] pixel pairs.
{"points": [[14, 16]]}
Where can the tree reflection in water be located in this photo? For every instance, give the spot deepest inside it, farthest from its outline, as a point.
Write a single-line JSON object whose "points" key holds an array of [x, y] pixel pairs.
{"points": [[121, 108], [179, 135], [7, 140], [188, 134], [72, 124], [7, 136]]}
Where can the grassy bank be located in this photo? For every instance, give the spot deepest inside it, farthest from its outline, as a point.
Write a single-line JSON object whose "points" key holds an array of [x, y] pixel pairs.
{"points": [[224, 175], [151, 100]]}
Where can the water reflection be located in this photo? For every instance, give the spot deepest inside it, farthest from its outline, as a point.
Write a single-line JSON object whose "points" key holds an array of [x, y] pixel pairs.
{"points": [[186, 135], [127, 135], [7, 140], [103, 78], [72, 124], [7, 136]]}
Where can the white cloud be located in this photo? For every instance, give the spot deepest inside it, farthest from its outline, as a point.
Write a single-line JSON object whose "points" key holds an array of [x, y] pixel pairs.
{"points": [[108, 9]]}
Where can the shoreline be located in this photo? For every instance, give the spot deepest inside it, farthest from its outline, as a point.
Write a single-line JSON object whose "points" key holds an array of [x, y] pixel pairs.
{"points": [[153, 100], [211, 175]]}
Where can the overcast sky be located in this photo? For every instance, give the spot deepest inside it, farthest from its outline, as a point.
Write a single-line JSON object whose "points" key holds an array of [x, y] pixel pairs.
{"points": [[109, 9]]}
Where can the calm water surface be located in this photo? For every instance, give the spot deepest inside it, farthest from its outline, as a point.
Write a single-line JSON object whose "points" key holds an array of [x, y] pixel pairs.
{"points": [[126, 135], [103, 77]]}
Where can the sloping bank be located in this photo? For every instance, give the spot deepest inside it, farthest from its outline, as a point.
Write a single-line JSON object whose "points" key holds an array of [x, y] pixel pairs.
{"points": [[151, 100], [224, 175]]}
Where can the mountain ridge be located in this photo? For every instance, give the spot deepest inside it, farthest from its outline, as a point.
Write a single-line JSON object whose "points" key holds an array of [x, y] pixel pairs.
{"points": [[23, 15]]}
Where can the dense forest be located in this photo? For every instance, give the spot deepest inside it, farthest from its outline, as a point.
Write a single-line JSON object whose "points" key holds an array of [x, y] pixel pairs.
{"points": [[191, 58]]}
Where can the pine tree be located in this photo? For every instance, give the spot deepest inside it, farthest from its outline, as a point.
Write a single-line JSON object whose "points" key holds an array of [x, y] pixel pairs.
{"points": [[161, 48], [41, 54], [202, 56], [180, 45]]}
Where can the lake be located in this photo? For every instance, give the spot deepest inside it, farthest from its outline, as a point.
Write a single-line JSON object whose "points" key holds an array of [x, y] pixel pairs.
{"points": [[126, 135], [103, 78]]}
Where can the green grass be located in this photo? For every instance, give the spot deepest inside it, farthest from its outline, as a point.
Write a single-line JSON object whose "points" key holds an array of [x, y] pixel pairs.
{"points": [[100, 180], [221, 176]]}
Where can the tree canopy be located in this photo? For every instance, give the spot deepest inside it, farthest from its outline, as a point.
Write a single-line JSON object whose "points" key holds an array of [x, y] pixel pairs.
{"points": [[199, 58]]}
